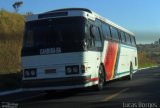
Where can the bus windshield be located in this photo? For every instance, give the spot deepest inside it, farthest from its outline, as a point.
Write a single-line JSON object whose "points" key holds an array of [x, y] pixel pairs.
{"points": [[54, 32]]}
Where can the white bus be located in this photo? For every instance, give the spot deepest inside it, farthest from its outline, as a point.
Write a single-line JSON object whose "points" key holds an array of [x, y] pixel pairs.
{"points": [[74, 48]]}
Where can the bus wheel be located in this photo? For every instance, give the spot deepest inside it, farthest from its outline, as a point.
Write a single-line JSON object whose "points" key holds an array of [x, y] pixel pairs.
{"points": [[130, 76], [101, 79]]}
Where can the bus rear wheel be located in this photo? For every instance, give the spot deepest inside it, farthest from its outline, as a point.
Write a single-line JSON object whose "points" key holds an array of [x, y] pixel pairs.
{"points": [[130, 76]]}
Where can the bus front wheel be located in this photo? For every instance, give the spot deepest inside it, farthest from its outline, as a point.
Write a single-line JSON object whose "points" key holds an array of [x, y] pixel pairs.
{"points": [[101, 79]]}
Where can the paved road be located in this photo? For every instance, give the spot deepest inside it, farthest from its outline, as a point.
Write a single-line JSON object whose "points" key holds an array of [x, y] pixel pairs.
{"points": [[142, 92]]}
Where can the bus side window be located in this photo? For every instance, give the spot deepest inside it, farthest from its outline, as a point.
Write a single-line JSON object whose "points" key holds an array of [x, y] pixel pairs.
{"points": [[135, 61], [98, 22], [128, 38], [106, 31], [91, 37], [132, 39], [95, 32], [114, 33], [123, 37], [119, 35], [86, 39]]}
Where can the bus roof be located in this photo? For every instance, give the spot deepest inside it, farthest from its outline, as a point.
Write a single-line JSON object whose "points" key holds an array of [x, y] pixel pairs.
{"points": [[70, 9], [90, 14], [112, 23], [96, 16]]}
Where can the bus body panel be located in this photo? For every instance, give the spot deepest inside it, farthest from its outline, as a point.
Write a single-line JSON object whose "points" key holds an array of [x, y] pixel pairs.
{"points": [[126, 57], [53, 61], [58, 79], [117, 59]]}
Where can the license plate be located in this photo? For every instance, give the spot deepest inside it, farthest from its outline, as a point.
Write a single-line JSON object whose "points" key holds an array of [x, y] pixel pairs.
{"points": [[50, 71]]}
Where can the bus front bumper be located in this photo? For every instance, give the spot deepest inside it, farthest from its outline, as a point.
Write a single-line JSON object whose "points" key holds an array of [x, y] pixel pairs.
{"points": [[58, 83]]}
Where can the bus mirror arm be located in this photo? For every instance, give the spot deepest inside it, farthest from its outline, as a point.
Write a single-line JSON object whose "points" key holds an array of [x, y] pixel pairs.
{"points": [[85, 44], [91, 31]]}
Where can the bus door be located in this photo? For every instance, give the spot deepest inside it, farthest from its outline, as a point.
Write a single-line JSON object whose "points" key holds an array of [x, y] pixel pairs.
{"points": [[96, 48]]}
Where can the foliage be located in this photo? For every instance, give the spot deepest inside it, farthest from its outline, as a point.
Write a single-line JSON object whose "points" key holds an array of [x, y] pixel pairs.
{"points": [[11, 33], [144, 60], [17, 5], [151, 50]]}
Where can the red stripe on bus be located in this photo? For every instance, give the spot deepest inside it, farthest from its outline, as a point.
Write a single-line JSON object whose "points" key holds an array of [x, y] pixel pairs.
{"points": [[110, 59], [92, 79]]}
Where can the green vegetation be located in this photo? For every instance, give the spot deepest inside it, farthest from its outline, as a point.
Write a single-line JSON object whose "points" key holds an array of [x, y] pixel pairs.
{"points": [[11, 33], [152, 50], [145, 61], [149, 55], [17, 5]]}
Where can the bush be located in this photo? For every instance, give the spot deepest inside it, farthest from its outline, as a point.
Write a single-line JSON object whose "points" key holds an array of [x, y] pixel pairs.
{"points": [[144, 60], [11, 33]]}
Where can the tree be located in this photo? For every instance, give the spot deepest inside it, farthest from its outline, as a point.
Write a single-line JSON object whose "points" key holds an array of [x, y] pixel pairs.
{"points": [[17, 5]]}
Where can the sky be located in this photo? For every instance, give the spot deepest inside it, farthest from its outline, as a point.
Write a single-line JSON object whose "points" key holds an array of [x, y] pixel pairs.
{"points": [[142, 17]]}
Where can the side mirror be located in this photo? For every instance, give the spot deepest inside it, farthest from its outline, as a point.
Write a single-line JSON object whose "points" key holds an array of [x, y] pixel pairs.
{"points": [[92, 31], [92, 36]]}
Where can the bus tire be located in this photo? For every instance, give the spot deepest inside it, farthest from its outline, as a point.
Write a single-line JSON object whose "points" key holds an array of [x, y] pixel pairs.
{"points": [[101, 79], [130, 76]]}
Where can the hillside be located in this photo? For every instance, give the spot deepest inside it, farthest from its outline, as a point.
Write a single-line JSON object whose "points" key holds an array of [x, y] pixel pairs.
{"points": [[152, 53], [144, 60], [11, 32]]}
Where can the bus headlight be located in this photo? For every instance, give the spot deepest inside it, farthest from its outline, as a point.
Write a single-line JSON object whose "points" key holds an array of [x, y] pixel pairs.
{"points": [[75, 69], [72, 69], [26, 73], [68, 70], [33, 72], [29, 72]]}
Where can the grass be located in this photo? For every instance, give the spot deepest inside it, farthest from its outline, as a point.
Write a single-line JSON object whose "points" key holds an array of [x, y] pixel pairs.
{"points": [[145, 61], [10, 56], [11, 33]]}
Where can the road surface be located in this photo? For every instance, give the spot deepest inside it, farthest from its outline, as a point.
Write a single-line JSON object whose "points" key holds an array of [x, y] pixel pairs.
{"points": [[142, 92]]}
